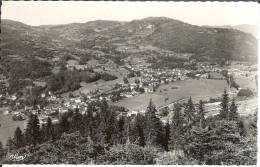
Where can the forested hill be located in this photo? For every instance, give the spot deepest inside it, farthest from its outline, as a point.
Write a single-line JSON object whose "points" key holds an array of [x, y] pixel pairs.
{"points": [[165, 33]]}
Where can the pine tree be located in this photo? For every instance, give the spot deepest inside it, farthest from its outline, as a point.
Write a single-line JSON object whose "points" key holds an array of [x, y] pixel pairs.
{"points": [[89, 121], [176, 129], [10, 144], [64, 124], [28, 133], [2, 152], [153, 130], [201, 114], [32, 132], [121, 130], [224, 109], [36, 130], [198, 144], [18, 138], [189, 112], [76, 120], [49, 130], [137, 130], [215, 145], [166, 136], [233, 115], [108, 124]]}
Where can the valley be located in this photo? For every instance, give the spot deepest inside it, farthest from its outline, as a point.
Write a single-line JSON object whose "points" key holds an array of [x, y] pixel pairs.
{"points": [[66, 73]]}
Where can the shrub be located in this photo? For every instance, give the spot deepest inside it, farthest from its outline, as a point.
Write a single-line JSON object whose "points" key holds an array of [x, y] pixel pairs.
{"points": [[129, 154], [245, 93], [174, 158]]}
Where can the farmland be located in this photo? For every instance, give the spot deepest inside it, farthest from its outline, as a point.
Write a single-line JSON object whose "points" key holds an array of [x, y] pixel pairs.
{"points": [[169, 93], [8, 126]]}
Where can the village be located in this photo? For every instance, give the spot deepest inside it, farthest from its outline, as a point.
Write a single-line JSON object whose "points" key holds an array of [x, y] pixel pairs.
{"points": [[144, 80]]}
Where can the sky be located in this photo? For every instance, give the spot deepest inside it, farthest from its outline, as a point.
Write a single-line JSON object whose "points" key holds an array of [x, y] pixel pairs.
{"points": [[196, 13]]}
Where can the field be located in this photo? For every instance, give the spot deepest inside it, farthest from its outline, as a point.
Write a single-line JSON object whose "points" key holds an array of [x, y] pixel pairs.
{"points": [[169, 93], [246, 82], [8, 126]]}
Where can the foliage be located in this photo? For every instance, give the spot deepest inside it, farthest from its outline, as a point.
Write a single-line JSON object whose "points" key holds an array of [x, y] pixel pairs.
{"points": [[153, 127], [18, 138], [224, 105], [174, 158], [129, 154], [177, 129], [245, 93], [107, 77], [32, 131]]}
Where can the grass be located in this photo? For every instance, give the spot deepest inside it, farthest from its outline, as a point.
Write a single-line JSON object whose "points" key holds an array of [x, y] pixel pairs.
{"points": [[8, 126], [197, 89]]}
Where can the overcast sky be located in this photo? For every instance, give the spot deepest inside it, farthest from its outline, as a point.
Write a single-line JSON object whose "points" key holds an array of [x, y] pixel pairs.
{"points": [[197, 13]]}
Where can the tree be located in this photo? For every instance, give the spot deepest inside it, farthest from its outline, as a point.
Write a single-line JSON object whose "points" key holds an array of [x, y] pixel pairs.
{"points": [[166, 137], [224, 109], [108, 124], [122, 130], [76, 120], [2, 152], [49, 130], [201, 114], [64, 123], [232, 114], [176, 129], [189, 112], [125, 80], [88, 121], [216, 145], [153, 129], [137, 130], [32, 132], [18, 138], [137, 81], [10, 144]]}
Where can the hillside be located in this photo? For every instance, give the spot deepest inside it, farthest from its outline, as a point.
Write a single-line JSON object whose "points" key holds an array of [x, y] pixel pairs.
{"points": [[165, 33], [250, 29]]}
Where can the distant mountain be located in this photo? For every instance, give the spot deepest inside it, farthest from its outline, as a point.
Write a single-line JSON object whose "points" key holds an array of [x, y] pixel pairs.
{"points": [[251, 29], [247, 28], [204, 43]]}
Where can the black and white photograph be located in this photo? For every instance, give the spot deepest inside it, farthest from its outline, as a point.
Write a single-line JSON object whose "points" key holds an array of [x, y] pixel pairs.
{"points": [[129, 83]]}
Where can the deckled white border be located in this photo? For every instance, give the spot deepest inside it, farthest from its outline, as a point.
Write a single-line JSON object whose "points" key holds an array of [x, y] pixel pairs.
{"points": [[258, 116]]}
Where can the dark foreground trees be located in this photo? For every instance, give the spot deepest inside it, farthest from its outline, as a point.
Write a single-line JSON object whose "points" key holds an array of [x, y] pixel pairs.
{"points": [[103, 135]]}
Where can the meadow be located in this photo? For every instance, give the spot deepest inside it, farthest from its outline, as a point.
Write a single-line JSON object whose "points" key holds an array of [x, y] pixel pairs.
{"points": [[168, 93], [8, 126]]}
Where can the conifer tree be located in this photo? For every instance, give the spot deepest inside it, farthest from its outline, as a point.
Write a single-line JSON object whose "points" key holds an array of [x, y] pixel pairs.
{"points": [[89, 120], [224, 109], [137, 130], [49, 130], [64, 124], [121, 130], [76, 120], [108, 124], [32, 132], [176, 129], [166, 136], [215, 145], [189, 112], [201, 114], [233, 115], [10, 144], [28, 134], [36, 130], [153, 129], [2, 152], [84, 126], [18, 138]]}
